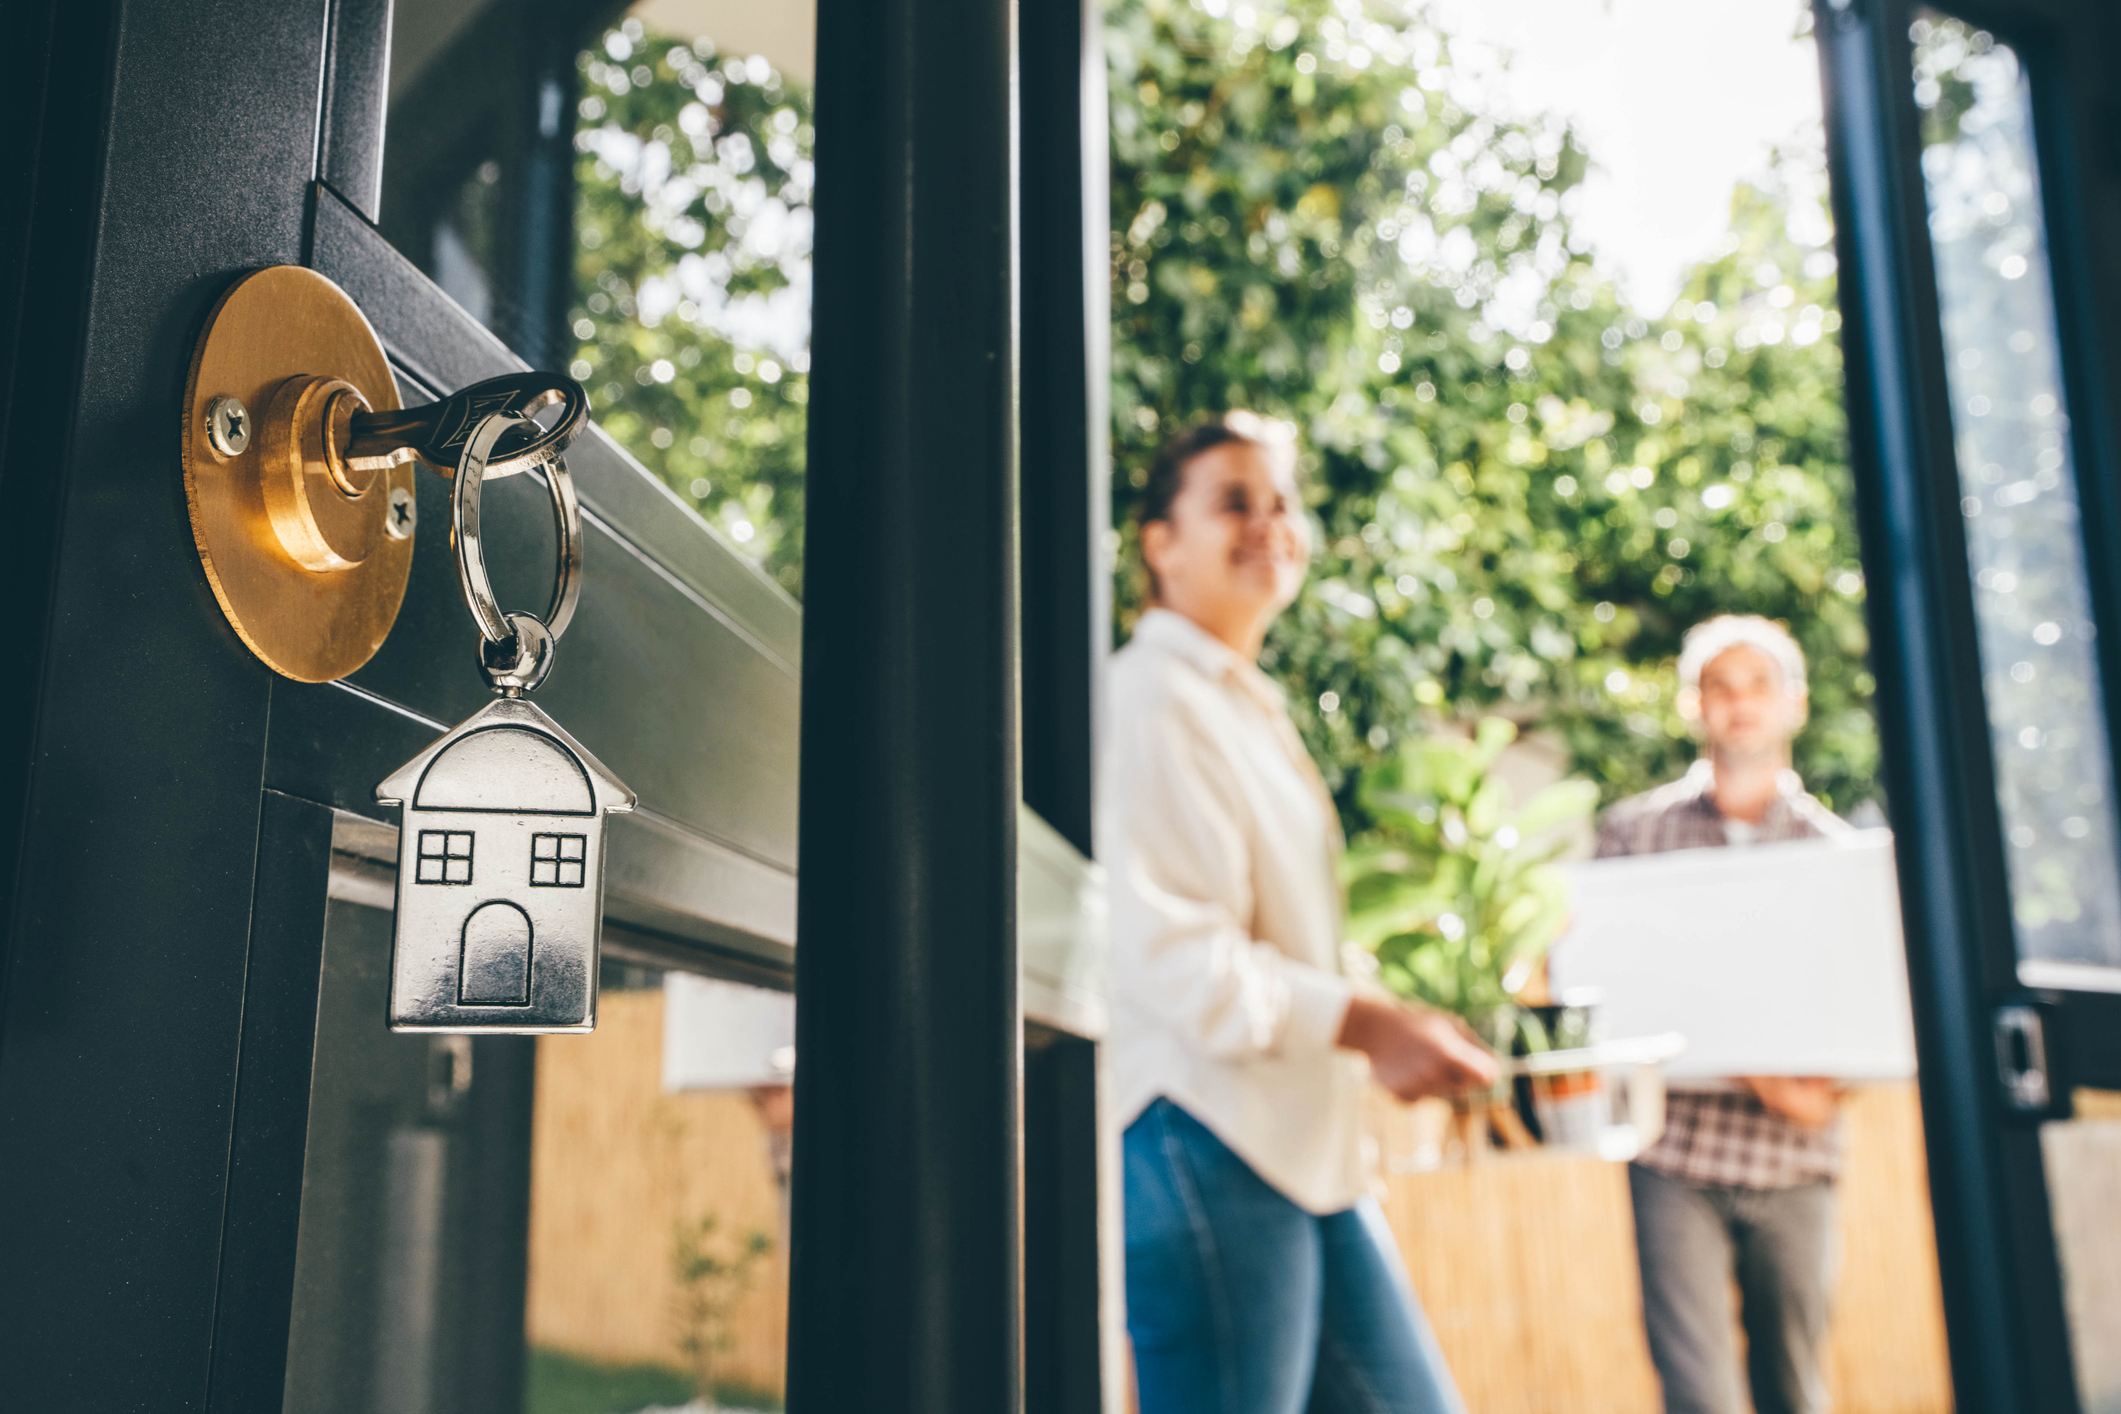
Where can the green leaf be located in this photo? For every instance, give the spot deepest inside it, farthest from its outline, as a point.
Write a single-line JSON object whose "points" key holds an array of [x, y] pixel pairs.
{"points": [[1558, 804]]}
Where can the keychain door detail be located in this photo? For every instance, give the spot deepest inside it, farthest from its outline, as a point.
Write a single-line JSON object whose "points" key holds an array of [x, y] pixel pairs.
{"points": [[500, 896]]}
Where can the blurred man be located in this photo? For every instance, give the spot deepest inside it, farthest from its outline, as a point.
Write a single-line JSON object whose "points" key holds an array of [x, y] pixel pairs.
{"points": [[1742, 1181]]}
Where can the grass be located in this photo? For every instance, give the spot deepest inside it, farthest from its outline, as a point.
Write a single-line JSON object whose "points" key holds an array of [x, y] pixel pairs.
{"points": [[559, 1383]]}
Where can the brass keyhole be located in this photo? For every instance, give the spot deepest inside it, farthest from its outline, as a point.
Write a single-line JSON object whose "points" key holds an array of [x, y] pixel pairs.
{"points": [[298, 465], [307, 554], [327, 515]]}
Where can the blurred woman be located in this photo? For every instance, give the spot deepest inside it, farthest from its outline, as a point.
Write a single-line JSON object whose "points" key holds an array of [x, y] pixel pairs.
{"points": [[1260, 1278]]}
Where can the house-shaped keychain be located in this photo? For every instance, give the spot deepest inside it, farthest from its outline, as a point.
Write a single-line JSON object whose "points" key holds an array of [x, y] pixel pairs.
{"points": [[500, 876]]}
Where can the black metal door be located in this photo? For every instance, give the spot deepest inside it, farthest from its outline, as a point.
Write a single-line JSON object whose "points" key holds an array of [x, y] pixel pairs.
{"points": [[1977, 196], [189, 844], [184, 830]]}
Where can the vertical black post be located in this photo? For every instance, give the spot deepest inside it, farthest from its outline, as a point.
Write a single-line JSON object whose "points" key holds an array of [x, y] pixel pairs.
{"points": [[1065, 484], [544, 256], [1066, 400], [256, 1283], [57, 106], [128, 933], [905, 1282], [1994, 1247], [356, 93], [1063, 1283]]}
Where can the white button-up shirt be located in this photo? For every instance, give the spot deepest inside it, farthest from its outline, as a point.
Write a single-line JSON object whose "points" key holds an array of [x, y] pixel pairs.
{"points": [[1226, 926]]}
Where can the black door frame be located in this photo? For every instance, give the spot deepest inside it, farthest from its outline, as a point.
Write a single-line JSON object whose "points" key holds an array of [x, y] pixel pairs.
{"points": [[122, 1046], [2002, 1282], [169, 807], [905, 1282]]}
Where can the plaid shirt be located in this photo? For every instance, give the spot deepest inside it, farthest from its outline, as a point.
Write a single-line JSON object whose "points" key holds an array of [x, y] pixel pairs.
{"points": [[1725, 1138]]}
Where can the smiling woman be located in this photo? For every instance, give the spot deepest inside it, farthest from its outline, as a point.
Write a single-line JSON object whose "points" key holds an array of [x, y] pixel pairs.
{"points": [[1238, 1044], [1223, 532]]}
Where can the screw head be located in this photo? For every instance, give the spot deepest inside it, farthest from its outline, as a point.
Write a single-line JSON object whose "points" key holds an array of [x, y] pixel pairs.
{"points": [[228, 426], [402, 515]]}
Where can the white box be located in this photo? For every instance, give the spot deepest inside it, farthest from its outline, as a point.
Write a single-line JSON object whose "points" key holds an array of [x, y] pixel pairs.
{"points": [[1774, 959], [724, 1036]]}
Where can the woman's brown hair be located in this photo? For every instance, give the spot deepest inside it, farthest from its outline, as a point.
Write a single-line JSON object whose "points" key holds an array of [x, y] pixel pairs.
{"points": [[1167, 474]]}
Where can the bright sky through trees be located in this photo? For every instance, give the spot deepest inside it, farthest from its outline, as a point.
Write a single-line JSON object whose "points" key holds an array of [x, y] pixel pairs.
{"points": [[1676, 100]]}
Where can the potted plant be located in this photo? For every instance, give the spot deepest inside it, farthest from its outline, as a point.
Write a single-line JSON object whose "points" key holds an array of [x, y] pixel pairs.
{"points": [[1453, 888]]}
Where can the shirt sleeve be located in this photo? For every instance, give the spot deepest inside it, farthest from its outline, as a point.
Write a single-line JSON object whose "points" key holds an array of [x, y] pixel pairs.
{"points": [[1614, 836], [1182, 903]]}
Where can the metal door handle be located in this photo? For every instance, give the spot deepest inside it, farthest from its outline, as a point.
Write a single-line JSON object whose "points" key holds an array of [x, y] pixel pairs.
{"points": [[2021, 1059]]}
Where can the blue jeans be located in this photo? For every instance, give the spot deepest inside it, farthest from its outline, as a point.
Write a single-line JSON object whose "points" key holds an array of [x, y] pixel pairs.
{"points": [[1240, 1302]]}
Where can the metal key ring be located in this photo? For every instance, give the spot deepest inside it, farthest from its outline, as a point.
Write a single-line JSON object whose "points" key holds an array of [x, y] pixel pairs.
{"points": [[494, 625]]}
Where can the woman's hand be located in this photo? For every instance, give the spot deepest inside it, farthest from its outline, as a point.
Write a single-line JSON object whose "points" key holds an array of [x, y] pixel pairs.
{"points": [[1807, 1100], [1413, 1052]]}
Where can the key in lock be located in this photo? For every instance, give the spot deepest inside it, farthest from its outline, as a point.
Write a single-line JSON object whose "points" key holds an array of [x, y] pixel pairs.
{"points": [[299, 466], [299, 486]]}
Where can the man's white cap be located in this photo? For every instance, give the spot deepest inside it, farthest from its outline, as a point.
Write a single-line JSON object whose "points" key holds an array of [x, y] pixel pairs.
{"points": [[1710, 639]]}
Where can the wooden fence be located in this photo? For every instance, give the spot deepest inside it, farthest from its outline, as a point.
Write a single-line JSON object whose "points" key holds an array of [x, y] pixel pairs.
{"points": [[1525, 1263], [617, 1166]]}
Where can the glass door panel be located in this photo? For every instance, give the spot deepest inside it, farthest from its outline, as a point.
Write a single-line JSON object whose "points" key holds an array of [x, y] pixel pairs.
{"points": [[630, 201], [2083, 1161], [613, 1243], [659, 1201], [2035, 623], [409, 1260], [2019, 499], [581, 1224]]}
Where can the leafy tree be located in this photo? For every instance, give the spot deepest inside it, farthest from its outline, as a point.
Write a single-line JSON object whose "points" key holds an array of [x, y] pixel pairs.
{"points": [[692, 217], [1751, 508], [1526, 492]]}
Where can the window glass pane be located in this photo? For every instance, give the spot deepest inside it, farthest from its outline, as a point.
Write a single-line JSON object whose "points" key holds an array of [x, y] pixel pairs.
{"points": [[475, 163], [630, 204], [560, 1225], [2082, 1157], [2010, 420], [659, 1200], [690, 318], [409, 1257]]}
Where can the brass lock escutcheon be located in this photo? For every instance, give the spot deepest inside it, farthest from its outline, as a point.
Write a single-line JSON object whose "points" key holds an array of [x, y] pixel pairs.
{"points": [[298, 466]]}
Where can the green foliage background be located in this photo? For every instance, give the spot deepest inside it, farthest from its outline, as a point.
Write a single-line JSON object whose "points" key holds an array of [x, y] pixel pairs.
{"points": [[692, 213], [1526, 491], [1452, 889]]}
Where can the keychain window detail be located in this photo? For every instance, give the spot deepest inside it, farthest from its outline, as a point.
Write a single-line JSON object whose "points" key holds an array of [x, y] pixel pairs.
{"points": [[445, 857], [556, 861]]}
